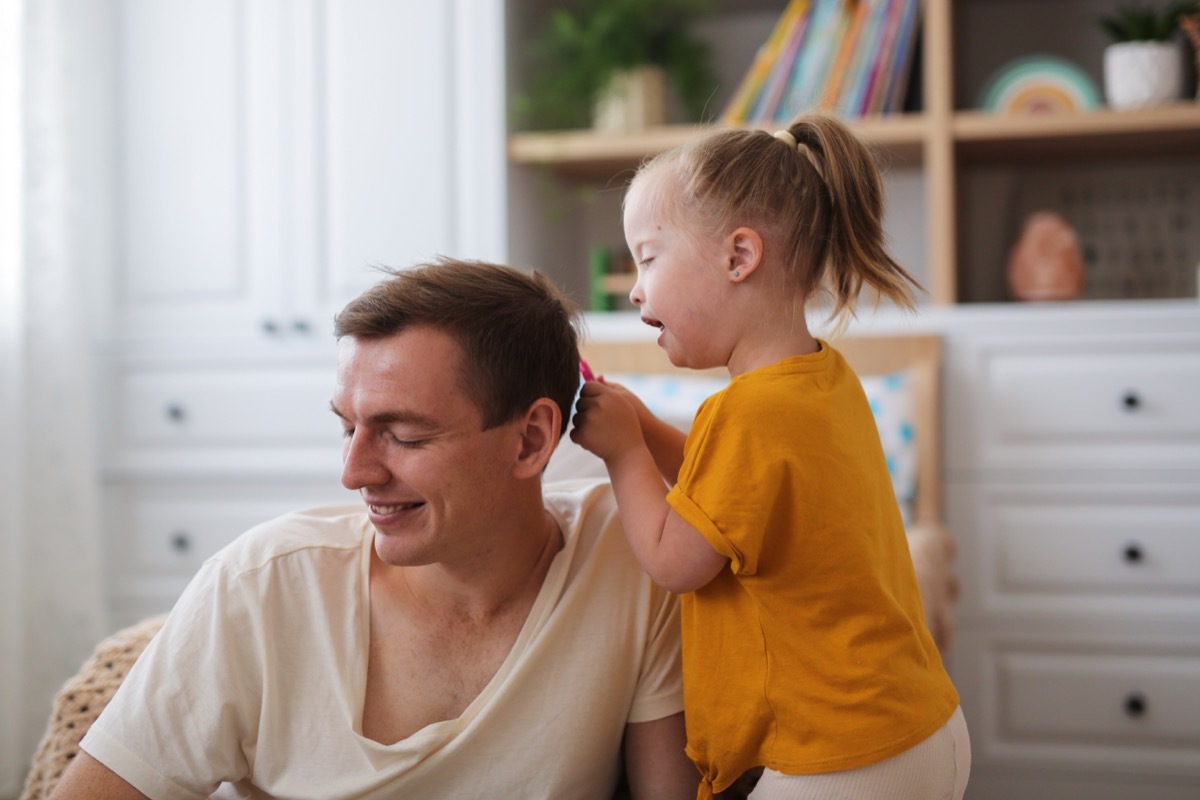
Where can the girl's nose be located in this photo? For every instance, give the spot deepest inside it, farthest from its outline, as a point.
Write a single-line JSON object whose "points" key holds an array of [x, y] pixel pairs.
{"points": [[635, 294]]}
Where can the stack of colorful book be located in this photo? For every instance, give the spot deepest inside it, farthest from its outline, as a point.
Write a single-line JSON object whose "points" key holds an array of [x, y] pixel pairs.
{"points": [[852, 58]]}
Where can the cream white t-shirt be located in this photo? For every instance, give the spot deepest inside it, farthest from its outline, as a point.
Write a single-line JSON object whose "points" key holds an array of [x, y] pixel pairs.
{"points": [[256, 681]]}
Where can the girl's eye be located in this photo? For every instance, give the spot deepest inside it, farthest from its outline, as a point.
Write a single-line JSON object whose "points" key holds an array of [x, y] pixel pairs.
{"points": [[646, 262], [347, 433]]}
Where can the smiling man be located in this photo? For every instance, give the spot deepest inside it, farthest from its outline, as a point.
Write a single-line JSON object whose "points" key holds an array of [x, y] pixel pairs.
{"points": [[467, 634]]}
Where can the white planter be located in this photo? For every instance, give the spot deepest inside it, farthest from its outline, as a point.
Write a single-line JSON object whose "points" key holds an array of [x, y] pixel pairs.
{"points": [[1139, 74], [633, 100]]}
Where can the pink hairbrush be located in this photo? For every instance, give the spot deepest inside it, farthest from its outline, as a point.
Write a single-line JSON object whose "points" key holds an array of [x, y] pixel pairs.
{"points": [[586, 371]]}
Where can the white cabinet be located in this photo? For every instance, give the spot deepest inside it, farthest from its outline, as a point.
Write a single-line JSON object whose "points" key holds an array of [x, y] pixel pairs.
{"points": [[196, 449], [254, 163], [1073, 489], [270, 155]]}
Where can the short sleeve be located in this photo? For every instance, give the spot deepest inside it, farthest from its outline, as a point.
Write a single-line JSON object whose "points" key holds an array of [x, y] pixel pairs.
{"points": [[186, 714], [725, 481], [660, 684]]}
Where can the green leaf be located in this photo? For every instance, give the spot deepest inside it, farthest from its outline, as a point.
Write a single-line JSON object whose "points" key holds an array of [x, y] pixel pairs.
{"points": [[1135, 22], [583, 44]]}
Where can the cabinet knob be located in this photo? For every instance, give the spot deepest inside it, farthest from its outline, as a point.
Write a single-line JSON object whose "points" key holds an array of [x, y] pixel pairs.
{"points": [[1133, 553], [1135, 705], [181, 542], [176, 413], [1131, 401], [270, 327], [301, 326]]}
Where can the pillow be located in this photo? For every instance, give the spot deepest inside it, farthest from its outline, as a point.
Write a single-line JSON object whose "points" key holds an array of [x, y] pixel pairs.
{"points": [[890, 398], [673, 398]]}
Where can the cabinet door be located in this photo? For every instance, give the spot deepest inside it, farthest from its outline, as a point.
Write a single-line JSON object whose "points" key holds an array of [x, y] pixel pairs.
{"points": [[372, 146], [271, 154], [195, 211]]}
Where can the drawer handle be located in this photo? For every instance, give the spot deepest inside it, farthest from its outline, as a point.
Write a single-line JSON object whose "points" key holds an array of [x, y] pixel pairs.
{"points": [[181, 542], [1136, 705], [270, 327], [1131, 401], [1133, 553], [301, 326], [176, 413]]}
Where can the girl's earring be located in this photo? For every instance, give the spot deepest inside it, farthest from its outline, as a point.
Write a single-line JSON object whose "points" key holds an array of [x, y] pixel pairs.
{"points": [[737, 274]]}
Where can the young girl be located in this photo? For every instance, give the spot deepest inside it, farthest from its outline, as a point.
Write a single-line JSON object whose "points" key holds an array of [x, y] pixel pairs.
{"points": [[805, 647]]}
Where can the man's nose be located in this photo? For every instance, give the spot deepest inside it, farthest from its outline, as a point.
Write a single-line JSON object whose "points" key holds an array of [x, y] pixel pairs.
{"points": [[361, 465]]}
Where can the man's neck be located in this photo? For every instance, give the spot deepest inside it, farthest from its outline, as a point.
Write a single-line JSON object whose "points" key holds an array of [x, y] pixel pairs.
{"points": [[506, 577]]}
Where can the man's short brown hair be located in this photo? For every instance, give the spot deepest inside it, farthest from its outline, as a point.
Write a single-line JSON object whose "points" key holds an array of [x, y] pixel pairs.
{"points": [[518, 332]]}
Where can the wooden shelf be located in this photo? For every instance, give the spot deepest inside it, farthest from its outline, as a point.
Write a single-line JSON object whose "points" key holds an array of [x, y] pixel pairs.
{"points": [[1167, 130], [618, 283], [587, 154], [977, 135]]}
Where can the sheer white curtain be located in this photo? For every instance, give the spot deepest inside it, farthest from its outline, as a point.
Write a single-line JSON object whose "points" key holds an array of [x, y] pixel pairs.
{"points": [[49, 538], [10, 400]]}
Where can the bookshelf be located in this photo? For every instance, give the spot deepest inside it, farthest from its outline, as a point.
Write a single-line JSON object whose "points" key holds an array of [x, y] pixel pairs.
{"points": [[964, 159]]}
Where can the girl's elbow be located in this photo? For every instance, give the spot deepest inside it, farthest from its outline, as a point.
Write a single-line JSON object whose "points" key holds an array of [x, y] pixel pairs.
{"points": [[679, 581]]}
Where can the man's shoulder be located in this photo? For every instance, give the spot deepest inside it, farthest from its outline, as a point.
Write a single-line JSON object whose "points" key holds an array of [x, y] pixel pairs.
{"points": [[586, 509], [586, 504], [323, 528], [580, 492]]}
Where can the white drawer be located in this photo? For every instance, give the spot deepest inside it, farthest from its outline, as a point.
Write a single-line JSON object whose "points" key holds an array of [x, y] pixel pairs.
{"points": [[1093, 704], [158, 535], [250, 416], [228, 406], [1101, 698], [1119, 551], [1114, 549], [1106, 404]]}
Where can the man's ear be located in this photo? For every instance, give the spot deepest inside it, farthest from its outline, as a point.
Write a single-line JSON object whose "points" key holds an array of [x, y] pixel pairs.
{"points": [[744, 250], [539, 436]]}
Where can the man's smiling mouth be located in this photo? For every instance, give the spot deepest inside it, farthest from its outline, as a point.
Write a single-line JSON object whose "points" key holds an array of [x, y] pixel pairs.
{"points": [[392, 509]]}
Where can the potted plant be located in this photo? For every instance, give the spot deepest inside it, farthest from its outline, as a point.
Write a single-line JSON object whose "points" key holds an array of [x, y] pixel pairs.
{"points": [[1144, 65], [609, 63]]}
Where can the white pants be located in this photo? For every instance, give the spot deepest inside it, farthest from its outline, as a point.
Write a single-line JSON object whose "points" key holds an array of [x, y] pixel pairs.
{"points": [[935, 769]]}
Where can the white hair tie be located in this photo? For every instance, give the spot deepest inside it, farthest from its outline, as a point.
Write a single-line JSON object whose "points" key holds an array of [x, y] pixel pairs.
{"points": [[790, 140], [785, 136]]}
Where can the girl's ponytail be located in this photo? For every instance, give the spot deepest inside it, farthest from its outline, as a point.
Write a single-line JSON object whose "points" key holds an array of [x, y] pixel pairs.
{"points": [[856, 253]]}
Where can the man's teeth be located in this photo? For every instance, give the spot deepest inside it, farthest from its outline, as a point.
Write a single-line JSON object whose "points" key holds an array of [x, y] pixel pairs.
{"points": [[393, 509]]}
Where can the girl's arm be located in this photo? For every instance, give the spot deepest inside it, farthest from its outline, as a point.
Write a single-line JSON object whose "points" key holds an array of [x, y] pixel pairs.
{"points": [[674, 554]]}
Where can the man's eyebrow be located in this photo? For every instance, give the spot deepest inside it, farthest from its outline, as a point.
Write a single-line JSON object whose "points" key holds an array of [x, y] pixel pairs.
{"points": [[392, 418]]}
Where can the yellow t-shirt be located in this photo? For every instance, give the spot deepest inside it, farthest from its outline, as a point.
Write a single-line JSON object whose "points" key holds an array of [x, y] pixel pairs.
{"points": [[810, 654]]}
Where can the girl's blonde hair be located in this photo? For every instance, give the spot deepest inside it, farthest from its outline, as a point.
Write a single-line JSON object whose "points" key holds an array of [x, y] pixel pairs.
{"points": [[818, 199]]}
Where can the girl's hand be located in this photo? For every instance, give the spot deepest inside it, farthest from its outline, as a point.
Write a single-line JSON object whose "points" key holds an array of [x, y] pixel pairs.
{"points": [[664, 440], [645, 416], [606, 420]]}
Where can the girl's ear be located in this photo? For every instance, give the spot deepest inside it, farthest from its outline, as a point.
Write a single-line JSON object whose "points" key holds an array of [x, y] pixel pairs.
{"points": [[539, 437], [744, 249]]}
